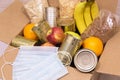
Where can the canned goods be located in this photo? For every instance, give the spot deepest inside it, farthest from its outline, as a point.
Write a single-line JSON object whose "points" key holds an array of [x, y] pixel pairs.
{"points": [[68, 49], [85, 60], [65, 57], [51, 16], [21, 41], [41, 30], [67, 24]]}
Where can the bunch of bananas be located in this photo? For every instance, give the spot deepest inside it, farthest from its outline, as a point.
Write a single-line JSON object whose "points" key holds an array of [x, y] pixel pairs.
{"points": [[84, 14]]}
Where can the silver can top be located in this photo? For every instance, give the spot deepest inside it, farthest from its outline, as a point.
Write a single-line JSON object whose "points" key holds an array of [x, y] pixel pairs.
{"points": [[85, 60], [51, 16]]}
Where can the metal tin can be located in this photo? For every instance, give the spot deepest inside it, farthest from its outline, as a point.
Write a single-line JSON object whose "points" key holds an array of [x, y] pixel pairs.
{"points": [[41, 30], [20, 41], [85, 60], [51, 16], [68, 49], [67, 24]]}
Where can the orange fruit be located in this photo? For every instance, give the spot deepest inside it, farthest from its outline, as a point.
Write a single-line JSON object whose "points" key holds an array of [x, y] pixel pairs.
{"points": [[93, 43], [28, 33]]}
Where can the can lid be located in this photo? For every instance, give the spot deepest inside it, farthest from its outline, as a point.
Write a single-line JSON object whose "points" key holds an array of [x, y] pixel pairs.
{"points": [[65, 57], [85, 60]]}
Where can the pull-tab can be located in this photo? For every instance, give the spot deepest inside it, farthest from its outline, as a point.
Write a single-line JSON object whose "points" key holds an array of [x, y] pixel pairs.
{"points": [[41, 30], [51, 14], [85, 60], [68, 48], [21, 41]]}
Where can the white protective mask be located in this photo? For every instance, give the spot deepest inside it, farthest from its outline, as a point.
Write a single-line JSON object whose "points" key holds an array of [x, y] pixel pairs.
{"points": [[32, 55], [38, 63]]}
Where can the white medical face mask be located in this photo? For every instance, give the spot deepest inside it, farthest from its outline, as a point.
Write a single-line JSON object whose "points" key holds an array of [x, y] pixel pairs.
{"points": [[38, 63], [41, 63], [32, 55]]}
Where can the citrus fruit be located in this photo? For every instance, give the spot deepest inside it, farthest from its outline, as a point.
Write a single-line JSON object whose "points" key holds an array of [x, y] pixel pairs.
{"points": [[47, 44], [28, 33], [93, 43]]}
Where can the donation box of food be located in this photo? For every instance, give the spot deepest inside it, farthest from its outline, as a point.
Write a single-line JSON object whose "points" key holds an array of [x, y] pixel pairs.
{"points": [[13, 19]]}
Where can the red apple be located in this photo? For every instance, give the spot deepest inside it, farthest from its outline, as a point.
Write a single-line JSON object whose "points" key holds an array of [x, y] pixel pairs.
{"points": [[55, 35]]}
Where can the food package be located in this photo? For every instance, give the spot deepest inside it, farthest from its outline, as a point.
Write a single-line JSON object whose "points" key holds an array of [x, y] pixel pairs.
{"points": [[104, 27], [53, 3], [35, 10], [67, 8]]}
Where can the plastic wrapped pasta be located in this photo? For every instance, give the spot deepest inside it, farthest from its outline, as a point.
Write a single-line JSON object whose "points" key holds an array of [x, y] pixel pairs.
{"points": [[104, 27], [35, 10]]}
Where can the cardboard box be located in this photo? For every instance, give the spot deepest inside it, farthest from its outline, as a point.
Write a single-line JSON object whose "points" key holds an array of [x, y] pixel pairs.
{"points": [[108, 67], [10, 55], [74, 74], [111, 5], [12, 21], [109, 63]]}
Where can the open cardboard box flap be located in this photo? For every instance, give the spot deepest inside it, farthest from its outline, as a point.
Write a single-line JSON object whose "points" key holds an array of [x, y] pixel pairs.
{"points": [[111, 5], [108, 67], [12, 21]]}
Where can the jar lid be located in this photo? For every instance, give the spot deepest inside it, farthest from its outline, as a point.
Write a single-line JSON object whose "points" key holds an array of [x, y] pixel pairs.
{"points": [[85, 60]]}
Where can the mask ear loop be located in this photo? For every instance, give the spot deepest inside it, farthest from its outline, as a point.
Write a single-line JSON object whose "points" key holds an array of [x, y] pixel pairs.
{"points": [[5, 63]]}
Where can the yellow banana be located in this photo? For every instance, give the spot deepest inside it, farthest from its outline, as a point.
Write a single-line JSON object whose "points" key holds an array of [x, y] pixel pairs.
{"points": [[87, 14], [94, 10], [79, 18]]}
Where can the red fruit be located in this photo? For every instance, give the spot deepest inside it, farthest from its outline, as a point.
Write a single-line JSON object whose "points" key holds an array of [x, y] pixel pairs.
{"points": [[55, 35]]}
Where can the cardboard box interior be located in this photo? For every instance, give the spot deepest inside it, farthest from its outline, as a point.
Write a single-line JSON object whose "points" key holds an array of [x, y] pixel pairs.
{"points": [[74, 74], [13, 20], [108, 5], [109, 64]]}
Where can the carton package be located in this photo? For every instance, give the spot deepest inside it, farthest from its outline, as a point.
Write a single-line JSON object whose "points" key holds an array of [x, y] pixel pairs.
{"points": [[13, 20]]}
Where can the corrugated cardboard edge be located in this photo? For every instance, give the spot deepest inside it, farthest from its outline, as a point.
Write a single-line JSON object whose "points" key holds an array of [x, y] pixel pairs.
{"points": [[104, 76]]}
